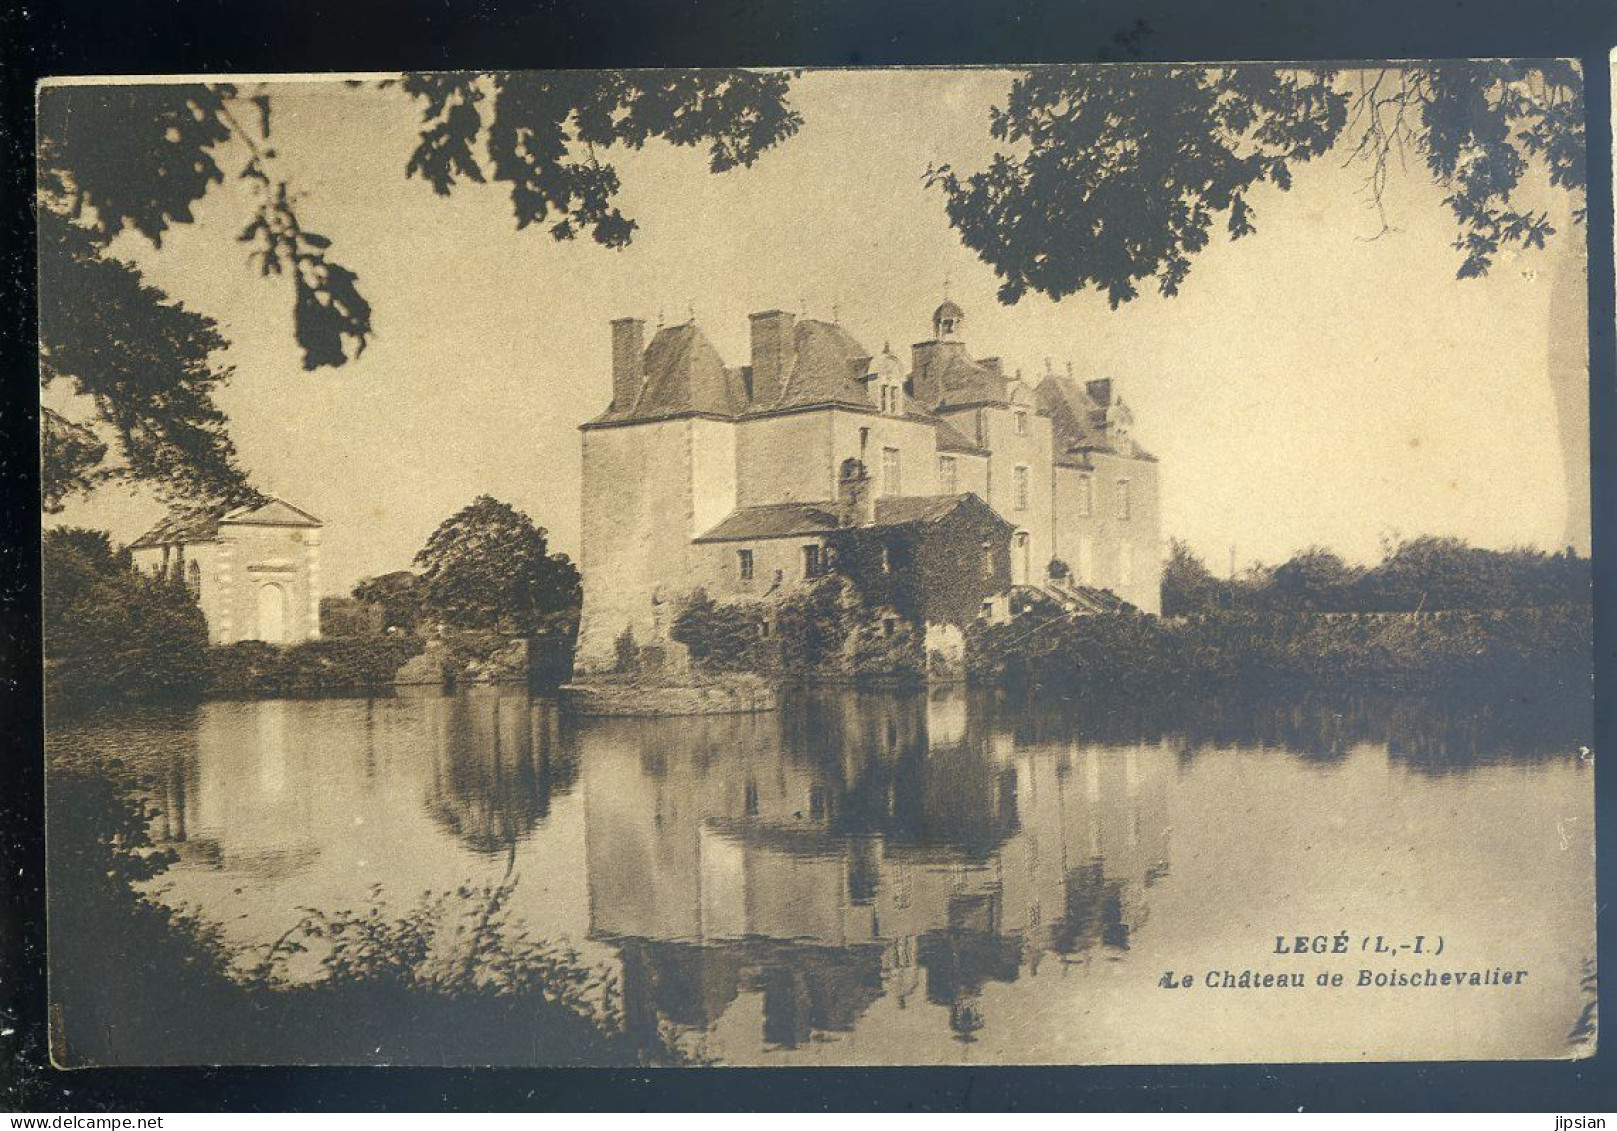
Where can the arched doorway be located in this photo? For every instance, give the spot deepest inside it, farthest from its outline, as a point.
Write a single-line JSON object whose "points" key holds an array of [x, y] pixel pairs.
{"points": [[272, 614]]}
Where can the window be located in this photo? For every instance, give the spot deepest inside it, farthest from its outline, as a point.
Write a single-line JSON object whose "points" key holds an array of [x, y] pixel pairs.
{"points": [[988, 559], [886, 558], [1020, 418], [1020, 481], [1086, 496], [948, 476], [1124, 504], [744, 564], [890, 484], [193, 578], [892, 400], [813, 561]]}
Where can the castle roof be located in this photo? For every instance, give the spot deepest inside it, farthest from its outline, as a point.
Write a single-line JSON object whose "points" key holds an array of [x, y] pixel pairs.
{"points": [[959, 380], [202, 525], [797, 520], [829, 368], [684, 374]]}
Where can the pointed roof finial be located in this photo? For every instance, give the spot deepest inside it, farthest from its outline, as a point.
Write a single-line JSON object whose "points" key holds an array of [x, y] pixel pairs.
{"points": [[690, 307], [836, 312], [946, 284], [1069, 371], [659, 318]]}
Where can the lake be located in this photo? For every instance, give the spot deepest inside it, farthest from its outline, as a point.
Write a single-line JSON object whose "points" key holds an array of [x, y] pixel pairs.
{"points": [[940, 877]]}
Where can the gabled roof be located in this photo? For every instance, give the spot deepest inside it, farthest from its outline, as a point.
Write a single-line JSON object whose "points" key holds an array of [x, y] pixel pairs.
{"points": [[182, 526], [829, 368], [270, 512], [202, 525]]}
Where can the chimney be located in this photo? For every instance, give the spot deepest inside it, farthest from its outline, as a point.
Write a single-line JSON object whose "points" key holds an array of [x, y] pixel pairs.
{"points": [[1100, 391], [628, 354], [856, 500], [773, 351]]}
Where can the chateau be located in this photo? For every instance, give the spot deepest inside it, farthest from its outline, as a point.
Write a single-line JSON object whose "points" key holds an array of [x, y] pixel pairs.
{"points": [[737, 479], [254, 570]]}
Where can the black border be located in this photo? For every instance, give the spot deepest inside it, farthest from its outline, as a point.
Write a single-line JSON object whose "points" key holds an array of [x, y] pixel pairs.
{"points": [[48, 37]]}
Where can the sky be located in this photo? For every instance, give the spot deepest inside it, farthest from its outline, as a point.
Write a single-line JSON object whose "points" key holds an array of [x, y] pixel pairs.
{"points": [[1313, 384]]}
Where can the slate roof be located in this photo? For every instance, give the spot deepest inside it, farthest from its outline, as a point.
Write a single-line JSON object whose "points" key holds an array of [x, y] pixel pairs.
{"points": [[959, 380], [797, 520], [774, 520], [829, 368], [194, 526], [902, 510], [1076, 420], [684, 374]]}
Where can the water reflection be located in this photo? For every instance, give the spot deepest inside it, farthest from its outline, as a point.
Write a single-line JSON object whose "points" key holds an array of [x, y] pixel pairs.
{"points": [[498, 760], [894, 877], [843, 851]]}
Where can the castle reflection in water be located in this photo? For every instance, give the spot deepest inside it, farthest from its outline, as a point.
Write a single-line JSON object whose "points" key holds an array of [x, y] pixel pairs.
{"points": [[855, 847], [772, 876]]}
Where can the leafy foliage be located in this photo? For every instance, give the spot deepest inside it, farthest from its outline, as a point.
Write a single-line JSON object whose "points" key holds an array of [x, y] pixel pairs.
{"points": [[489, 567], [139, 158], [112, 634], [727, 637], [1117, 173], [71, 455], [1419, 574], [1114, 175], [145, 362], [544, 130], [356, 664], [397, 594]]}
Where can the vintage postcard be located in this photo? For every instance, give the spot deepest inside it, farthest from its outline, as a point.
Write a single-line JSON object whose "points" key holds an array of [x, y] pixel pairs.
{"points": [[1044, 565]]}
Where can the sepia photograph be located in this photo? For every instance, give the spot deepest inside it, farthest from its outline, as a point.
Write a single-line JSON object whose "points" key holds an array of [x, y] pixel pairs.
{"points": [[945, 566]]}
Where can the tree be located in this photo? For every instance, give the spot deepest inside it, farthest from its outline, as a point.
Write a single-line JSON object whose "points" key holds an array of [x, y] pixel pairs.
{"points": [[1188, 586], [113, 634], [398, 594], [1314, 579], [1113, 175], [1110, 176], [140, 157], [489, 567]]}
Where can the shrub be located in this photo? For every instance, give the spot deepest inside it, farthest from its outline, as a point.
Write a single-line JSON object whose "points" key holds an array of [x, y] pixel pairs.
{"points": [[625, 652], [112, 634], [727, 637], [355, 664]]}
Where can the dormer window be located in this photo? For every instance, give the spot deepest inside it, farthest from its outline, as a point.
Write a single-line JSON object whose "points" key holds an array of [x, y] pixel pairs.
{"points": [[892, 399], [1020, 419]]}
